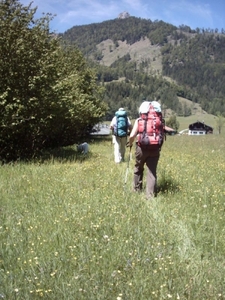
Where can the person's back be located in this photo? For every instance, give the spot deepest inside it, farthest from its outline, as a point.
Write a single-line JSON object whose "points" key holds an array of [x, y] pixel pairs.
{"points": [[120, 125], [151, 127], [147, 147]]}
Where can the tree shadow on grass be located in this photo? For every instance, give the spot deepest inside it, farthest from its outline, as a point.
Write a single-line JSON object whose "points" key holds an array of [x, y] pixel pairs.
{"points": [[99, 139], [63, 155], [70, 153]]}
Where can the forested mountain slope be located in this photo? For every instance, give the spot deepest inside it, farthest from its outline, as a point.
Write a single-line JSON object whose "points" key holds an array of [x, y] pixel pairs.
{"points": [[138, 59]]}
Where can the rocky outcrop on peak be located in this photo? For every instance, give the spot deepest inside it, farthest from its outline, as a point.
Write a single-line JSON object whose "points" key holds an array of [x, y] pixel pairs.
{"points": [[124, 15]]}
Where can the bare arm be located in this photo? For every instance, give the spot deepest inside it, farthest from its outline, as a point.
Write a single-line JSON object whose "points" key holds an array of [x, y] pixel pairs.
{"points": [[133, 133], [112, 123], [129, 125]]}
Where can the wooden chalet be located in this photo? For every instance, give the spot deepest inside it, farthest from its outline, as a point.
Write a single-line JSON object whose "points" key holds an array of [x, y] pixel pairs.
{"points": [[199, 128]]}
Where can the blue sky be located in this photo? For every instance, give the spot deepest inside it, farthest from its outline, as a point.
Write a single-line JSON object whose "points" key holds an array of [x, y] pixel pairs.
{"points": [[194, 13]]}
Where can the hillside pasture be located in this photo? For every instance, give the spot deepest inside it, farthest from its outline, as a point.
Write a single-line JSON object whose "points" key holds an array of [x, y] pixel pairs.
{"points": [[140, 51], [72, 229], [71, 225], [208, 119]]}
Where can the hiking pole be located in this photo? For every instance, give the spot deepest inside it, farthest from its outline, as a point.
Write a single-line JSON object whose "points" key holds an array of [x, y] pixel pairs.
{"points": [[128, 163]]}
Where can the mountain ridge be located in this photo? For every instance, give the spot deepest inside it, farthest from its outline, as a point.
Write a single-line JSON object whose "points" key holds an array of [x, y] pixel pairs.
{"points": [[191, 61]]}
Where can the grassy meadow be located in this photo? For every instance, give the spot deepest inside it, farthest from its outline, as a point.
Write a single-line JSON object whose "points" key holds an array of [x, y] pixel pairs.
{"points": [[71, 227]]}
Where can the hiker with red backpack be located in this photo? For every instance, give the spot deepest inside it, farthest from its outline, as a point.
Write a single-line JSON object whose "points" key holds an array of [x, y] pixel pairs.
{"points": [[120, 125], [149, 130]]}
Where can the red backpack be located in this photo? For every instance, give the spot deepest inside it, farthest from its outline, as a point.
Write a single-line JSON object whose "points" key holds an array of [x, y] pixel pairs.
{"points": [[151, 129]]}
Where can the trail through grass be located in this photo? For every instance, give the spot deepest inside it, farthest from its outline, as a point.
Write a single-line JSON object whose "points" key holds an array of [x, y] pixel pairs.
{"points": [[71, 229]]}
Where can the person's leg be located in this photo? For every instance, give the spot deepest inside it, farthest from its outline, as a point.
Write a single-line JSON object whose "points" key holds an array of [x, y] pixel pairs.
{"points": [[117, 149], [138, 169], [151, 175], [123, 147]]}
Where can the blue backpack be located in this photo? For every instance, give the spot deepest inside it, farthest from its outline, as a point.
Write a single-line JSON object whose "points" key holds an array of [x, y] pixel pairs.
{"points": [[121, 126]]}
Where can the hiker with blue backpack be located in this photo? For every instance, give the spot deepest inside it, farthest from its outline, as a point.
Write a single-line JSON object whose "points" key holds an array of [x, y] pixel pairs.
{"points": [[120, 125], [148, 130]]}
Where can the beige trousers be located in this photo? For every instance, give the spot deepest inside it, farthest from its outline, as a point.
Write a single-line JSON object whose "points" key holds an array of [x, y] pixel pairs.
{"points": [[119, 148]]}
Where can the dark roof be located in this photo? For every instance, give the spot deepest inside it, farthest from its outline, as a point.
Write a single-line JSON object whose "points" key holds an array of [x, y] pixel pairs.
{"points": [[200, 126]]}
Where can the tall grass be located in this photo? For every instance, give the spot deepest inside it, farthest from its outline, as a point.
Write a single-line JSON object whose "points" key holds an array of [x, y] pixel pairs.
{"points": [[72, 229]]}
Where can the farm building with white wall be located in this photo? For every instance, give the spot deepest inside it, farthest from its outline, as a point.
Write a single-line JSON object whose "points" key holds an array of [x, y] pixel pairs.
{"points": [[199, 128]]}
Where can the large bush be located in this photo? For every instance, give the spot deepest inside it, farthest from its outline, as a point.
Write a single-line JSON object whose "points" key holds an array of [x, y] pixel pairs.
{"points": [[48, 95]]}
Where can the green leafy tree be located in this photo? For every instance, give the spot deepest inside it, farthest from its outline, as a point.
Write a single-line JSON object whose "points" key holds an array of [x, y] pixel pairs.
{"points": [[173, 123], [48, 95], [187, 110], [220, 120]]}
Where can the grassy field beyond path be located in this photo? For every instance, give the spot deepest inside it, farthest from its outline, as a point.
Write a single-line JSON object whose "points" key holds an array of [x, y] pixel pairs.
{"points": [[71, 229]]}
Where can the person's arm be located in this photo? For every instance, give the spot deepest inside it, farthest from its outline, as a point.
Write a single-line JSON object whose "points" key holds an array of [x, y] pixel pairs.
{"points": [[129, 125], [133, 133], [112, 124]]}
